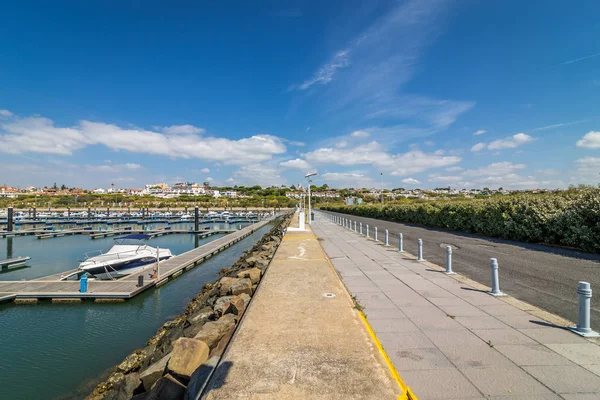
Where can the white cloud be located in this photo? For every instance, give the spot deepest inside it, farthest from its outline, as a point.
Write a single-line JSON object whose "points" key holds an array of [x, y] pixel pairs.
{"points": [[372, 153], [297, 163], [296, 143], [182, 130], [208, 179], [499, 168], [348, 179], [478, 147], [454, 169], [5, 114], [342, 145], [501, 174], [588, 170], [325, 74], [258, 174], [479, 132], [205, 170], [410, 181], [110, 167], [360, 134], [430, 143], [510, 142], [548, 171], [40, 135], [591, 140], [417, 161], [132, 166]]}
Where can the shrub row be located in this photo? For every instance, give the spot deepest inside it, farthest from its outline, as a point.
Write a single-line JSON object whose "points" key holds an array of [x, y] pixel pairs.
{"points": [[570, 218]]}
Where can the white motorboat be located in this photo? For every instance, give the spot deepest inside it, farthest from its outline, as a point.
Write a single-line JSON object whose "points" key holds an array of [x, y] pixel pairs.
{"points": [[128, 255]]}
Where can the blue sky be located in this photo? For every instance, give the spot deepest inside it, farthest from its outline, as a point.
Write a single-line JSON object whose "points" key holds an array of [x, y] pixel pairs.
{"points": [[426, 92]]}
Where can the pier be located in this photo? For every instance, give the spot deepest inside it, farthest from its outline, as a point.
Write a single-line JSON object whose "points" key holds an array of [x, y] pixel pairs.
{"points": [[52, 287]]}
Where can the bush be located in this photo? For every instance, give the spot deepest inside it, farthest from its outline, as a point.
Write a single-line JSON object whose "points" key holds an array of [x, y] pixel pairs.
{"points": [[570, 218]]}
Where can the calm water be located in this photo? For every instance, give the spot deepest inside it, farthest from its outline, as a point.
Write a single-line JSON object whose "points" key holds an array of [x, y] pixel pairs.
{"points": [[54, 351]]}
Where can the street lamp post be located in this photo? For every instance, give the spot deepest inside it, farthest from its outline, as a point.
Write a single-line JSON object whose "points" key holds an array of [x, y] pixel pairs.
{"points": [[381, 173], [307, 176]]}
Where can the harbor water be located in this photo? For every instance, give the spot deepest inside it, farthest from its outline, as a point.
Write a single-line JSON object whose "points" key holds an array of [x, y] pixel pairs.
{"points": [[60, 351]]}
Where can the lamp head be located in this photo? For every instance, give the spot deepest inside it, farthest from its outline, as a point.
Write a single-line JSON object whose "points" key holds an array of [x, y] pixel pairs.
{"points": [[310, 174]]}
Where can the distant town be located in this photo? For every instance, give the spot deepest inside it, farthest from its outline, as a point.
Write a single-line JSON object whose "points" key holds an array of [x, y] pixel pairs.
{"points": [[192, 189]]}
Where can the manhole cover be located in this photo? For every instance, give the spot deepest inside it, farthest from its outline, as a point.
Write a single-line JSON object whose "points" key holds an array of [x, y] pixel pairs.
{"points": [[329, 295]]}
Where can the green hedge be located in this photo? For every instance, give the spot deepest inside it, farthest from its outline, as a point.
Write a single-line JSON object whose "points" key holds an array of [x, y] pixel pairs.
{"points": [[570, 218]]}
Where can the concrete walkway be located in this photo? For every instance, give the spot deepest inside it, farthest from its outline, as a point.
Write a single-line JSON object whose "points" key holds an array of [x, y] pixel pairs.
{"points": [[296, 342], [449, 339]]}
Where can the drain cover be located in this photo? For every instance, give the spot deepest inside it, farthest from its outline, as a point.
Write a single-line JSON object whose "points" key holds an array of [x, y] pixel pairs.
{"points": [[329, 295]]}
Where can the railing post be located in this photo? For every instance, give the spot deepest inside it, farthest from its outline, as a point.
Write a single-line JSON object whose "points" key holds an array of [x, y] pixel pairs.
{"points": [[420, 250], [400, 243], [449, 261], [495, 281], [583, 328], [387, 238]]}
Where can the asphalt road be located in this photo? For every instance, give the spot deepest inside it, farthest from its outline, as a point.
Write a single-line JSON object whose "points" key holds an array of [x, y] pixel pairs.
{"points": [[544, 276]]}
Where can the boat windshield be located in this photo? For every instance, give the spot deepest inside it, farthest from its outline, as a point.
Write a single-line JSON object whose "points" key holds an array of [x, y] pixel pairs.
{"points": [[131, 240]]}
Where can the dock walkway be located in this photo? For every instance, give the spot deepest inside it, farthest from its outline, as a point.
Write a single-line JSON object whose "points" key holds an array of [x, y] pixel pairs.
{"points": [[52, 287], [449, 339], [301, 337]]}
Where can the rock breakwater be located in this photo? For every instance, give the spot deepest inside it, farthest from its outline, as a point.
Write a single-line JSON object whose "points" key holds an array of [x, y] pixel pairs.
{"points": [[179, 359]]}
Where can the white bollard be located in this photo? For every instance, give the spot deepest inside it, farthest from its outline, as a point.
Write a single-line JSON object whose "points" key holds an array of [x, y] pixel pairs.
{"points": [[583, 328], [420, 250], [387, 238], [367, 230], [495, 281], [360, 232], [449, 261], [354, 226], [375, 233], [400, 243]]}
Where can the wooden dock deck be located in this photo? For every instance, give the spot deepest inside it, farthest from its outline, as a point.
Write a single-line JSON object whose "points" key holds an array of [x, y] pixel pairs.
{"points": [[51, 287]]}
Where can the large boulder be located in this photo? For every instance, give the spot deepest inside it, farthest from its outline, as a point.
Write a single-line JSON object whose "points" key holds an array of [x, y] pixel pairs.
{"points": [[225, 285], [213, 331], [220, 348], [236, 306], [246, 299], [154, 372], [133, 362], [167, 388], [242, 286], [221, 304], [187, 355], [253, 274], [203, 315]]}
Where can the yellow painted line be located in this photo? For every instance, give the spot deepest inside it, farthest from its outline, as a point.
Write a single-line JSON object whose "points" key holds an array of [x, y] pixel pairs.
{"points": [[407, 394]]}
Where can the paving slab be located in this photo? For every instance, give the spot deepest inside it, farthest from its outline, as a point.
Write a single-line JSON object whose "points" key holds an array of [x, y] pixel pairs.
{"points": [[464, 343], [566, 378]]}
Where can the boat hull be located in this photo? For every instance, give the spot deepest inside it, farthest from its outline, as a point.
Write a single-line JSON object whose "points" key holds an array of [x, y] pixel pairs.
{"points": [[121, 268]]}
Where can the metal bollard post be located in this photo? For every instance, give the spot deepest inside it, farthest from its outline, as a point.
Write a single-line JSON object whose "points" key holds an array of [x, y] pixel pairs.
{"points": [[449, 261], [400, 243], [387, 238], [495, 281], [367, 230], [354, 226], [375, 233], [420, 250], [584, 290], [360, 232], [140, 280]]}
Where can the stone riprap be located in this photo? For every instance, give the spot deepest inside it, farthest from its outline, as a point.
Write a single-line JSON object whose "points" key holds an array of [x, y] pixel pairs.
{"points": [[180, 354]]}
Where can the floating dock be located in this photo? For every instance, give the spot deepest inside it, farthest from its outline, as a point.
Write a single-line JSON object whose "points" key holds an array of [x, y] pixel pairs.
{"points": [[14, 262], [51, 287]]}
